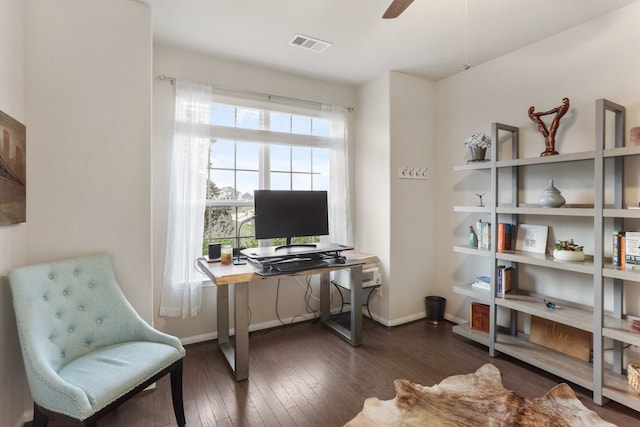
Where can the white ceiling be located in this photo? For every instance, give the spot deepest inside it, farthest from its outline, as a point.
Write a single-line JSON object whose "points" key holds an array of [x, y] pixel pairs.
{"points": [[427, 40]]}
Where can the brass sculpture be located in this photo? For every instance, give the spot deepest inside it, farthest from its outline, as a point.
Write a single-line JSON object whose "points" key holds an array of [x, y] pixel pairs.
{"points": [[549, 134]]}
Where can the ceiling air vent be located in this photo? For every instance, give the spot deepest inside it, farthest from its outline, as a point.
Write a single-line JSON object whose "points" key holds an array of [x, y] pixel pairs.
{"points": [[310, 43]]}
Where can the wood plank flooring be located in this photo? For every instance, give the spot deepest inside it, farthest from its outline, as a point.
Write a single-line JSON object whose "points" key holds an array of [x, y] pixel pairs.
{"points": [[304, 375]]}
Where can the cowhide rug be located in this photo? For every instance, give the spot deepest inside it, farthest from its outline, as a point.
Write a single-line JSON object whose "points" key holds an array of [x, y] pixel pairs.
{"points": [[477, 399]]}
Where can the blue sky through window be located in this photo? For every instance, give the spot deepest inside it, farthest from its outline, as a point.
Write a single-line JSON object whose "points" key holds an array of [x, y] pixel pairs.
{"points": [[236, 164]]}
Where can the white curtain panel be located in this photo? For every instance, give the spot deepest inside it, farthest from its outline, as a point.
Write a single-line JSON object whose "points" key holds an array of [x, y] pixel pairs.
{"points": [[339, 199], [182, 283]]}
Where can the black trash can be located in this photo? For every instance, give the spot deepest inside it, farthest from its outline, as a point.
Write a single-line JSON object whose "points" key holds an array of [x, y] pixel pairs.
{"points": [[435, 309]]}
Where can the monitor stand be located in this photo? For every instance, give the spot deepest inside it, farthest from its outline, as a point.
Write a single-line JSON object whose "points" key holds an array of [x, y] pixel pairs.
{"points": [[298, 245]]}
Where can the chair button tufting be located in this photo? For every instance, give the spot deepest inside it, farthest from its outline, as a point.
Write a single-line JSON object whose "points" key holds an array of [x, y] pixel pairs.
{"points": [[91, 285], [65, 292], [70, 329], [80, 307], [57, 315], [44, 298], [62, 354], [75, 272], [99, 321], [50, 276]]}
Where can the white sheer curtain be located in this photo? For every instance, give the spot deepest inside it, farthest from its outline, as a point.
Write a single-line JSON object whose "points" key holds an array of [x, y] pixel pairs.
{"points": [[339, 194], [182, 284]]}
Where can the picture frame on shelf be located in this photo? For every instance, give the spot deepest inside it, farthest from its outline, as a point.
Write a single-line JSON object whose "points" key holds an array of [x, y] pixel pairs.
{"points": [[532, 238]]}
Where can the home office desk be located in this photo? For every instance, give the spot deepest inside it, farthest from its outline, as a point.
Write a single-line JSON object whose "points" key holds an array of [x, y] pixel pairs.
{"points": [[240, 276]]}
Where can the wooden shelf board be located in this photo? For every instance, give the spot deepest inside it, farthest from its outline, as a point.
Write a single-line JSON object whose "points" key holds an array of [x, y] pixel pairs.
{"points": [[567, 314], [632, 150], [621, 213], [545, 260], [621, 273], [533, 210], [620, 329], [471, 251], [574, 370], [571, 157], [472, 209], [470, 291], [486, 165], [616, 387], [464, 329]]}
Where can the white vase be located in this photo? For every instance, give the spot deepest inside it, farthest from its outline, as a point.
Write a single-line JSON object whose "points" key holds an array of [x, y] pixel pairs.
{"points": [[561, 255]]}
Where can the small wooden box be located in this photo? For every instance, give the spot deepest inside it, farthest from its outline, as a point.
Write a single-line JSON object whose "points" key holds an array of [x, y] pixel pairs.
{"points": [[565, 339], [480, 316]]}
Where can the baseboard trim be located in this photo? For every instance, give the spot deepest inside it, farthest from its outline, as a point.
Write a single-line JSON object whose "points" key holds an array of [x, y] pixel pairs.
{"points": [[297, 319]]}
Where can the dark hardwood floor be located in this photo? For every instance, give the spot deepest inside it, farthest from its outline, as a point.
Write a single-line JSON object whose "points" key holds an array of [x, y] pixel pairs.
{"points": [[304, 375]]}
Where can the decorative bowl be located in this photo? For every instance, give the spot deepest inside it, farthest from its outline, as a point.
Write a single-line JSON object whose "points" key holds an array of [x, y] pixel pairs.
{"points": [[568, 255]]}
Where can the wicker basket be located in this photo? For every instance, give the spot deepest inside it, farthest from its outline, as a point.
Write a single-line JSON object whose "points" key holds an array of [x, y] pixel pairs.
{"points": [[633, 373]]}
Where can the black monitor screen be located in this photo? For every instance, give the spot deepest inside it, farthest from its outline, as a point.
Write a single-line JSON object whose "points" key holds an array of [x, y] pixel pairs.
{"points": [[281, 213]]}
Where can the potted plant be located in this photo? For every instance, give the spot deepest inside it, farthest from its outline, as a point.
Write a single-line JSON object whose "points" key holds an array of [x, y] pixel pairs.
{"points": [[478, 144], [567, 250]]}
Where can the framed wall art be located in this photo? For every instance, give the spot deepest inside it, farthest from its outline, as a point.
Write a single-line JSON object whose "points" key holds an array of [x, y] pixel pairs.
{"points": [[13, 179], [532, 238]]}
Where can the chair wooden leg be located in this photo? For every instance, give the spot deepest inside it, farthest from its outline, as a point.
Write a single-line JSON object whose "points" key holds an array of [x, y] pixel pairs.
{"points": [[176, 394], [40, 419]]}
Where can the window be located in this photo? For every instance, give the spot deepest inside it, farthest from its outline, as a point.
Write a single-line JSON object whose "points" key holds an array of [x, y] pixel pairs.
{"points": [[225, 146], [258, 148]]}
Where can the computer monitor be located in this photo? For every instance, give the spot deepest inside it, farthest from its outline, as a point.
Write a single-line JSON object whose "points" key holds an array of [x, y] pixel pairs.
{"points": [[292, 213]]}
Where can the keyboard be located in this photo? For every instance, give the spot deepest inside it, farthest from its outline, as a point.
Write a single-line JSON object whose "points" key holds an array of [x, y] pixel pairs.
{"points": [[298, 265]]}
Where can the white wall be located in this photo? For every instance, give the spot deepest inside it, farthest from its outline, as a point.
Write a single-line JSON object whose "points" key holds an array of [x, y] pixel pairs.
{"points": [[13, 249], [372, 184], [223, 73], [395, 217], [412, 202], [88, 101], [77, 74], [594, 60]]}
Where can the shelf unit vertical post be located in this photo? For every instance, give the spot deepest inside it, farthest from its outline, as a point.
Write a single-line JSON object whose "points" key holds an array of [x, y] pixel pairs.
{"points": [[493, 216], [602, 107], [496, 129]]}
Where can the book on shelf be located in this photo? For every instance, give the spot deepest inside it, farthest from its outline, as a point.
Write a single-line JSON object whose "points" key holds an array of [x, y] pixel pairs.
{"points": [[504, 278], [483, 231], [479, 316], [482, 282], [615, 258], [504, 237], [623, 254]]}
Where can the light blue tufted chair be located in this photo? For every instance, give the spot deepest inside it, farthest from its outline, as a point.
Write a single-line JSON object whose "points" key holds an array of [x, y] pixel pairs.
{"points": [[85, 349]]}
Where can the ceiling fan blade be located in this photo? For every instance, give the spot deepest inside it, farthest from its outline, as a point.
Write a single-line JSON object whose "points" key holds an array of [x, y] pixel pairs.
{"points": [[396, 8]]}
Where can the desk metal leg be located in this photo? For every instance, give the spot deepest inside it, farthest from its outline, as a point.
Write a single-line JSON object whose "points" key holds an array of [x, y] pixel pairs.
{"points": [[353, 336], [237, 356]]}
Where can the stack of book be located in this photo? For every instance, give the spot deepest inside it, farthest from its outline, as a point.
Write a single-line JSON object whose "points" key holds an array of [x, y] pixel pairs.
{"points": [[482, 282], [626, 249], [504, 277]]}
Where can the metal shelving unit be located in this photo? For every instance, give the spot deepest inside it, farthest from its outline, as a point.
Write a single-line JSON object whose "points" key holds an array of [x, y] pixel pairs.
{"points": [[606, 381]]}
